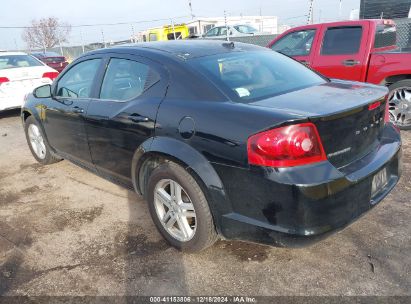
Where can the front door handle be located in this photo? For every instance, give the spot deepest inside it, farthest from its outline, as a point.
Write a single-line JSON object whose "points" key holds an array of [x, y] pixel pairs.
{"points": [[78, 110], [138, 118], [350, 62]]}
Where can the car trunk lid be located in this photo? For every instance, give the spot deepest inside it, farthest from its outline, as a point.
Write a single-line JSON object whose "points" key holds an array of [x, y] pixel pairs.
{"points": [[348, 126], [23, 80]]}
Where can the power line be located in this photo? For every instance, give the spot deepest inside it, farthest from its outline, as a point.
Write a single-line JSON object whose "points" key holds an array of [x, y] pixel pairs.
{"points": [[99, 24]]}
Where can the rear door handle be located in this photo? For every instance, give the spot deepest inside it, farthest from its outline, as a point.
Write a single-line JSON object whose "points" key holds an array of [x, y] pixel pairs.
{"points": [[78, 110], [350, 62], [138, 118]]}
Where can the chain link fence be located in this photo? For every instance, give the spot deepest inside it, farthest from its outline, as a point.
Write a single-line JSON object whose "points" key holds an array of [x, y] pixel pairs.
{"points": [[403, 33], [403, 41]]}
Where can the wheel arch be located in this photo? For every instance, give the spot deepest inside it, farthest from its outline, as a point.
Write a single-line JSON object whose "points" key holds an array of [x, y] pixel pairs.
{"points": [[157, 150], [395, 78]]}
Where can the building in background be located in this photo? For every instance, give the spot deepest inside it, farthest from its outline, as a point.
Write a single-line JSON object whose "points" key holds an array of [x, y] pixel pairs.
{"points": [[266, 24], [388, 9]]}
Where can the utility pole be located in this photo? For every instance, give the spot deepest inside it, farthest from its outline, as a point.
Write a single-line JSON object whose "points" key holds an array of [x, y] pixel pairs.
{"points": [[133, 38], [61, 48], [82, 41], [174, 30], [226, 26], [340, 10], [104, 40], [310, 19], [191, 9]]}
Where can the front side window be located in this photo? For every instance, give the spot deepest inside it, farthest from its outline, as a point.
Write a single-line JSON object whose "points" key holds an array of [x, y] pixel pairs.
{"points": [[295, 44], [342, 41], [18, 61], [252, 76], [126, 79], [77, 82]]}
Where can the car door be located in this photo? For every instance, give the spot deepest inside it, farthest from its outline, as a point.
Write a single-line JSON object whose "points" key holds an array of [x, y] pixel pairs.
{"points": [[298, 44], [123, 115], [64, 113], [343, 52]]}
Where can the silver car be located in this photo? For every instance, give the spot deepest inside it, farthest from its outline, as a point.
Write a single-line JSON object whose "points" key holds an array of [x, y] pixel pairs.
{"points": [[233, 31]]}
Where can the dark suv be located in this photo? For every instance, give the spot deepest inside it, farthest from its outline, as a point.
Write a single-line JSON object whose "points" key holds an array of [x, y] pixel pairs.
{"points": [[222, 139]]}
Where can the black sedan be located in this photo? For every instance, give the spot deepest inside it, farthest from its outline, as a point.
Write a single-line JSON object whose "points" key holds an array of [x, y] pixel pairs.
{"points": [[223, 139]]}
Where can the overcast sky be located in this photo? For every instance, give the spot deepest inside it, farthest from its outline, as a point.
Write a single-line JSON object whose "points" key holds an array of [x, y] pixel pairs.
{"points": [[79, 12]]}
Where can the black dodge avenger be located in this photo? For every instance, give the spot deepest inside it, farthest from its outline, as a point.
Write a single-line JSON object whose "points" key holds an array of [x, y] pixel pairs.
{"points": [[224, 140]]}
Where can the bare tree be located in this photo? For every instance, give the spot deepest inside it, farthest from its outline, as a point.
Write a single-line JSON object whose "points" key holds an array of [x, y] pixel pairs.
{"points": [[46, 33]]}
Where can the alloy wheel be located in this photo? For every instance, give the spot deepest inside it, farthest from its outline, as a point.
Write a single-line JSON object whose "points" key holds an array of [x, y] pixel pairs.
{"points": [[175, 210], [400, 106], [37, 141]]}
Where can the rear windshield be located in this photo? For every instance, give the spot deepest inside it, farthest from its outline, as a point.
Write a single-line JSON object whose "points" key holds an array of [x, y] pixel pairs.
{"points": [[252, 76], [18, 61]]}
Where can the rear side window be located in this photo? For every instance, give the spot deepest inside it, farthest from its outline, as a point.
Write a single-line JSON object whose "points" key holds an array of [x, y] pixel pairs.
{"points": [[386, 35], [126, 79], [152, 37], [295, 44], [245, 29], [212, 32], [252, 76], [18, 61], [77, 82], [342, 41]]}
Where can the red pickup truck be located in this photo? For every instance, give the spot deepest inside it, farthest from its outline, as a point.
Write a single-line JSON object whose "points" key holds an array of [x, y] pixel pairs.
{"points": [[363, 50]]}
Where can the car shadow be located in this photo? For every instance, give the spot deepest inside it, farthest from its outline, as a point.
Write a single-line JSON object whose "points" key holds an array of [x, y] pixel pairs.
{"points": [[152, 266], [10, 113]]}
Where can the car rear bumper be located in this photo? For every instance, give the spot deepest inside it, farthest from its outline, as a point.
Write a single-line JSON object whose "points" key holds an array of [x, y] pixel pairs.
{"points": [[298, 206], [59, 67]]}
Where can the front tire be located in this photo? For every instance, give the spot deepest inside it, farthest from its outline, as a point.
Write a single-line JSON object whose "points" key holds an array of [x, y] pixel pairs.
{"points": [[399, 100], [38, 145], [179, 208]]}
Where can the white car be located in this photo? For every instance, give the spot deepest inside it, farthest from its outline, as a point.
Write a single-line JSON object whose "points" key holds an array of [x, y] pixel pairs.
{"points": [[20, 74], [239, 30]]}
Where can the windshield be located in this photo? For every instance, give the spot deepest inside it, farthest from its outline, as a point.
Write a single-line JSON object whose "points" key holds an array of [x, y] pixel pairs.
{"points": [[245, 29], [18, 61], [252, 76], [46, 54]]}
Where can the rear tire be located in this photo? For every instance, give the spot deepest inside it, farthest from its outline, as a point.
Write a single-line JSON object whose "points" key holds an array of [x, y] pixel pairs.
{"points": [[400, 104], [37, 143], [176, 200]]}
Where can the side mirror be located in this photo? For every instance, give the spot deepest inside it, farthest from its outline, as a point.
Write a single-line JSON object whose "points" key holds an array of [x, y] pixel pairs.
{"points": [[43, 91]]}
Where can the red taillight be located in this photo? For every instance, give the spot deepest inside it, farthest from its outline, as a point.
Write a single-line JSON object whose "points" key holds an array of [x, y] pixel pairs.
{"points": [[3, 80], [289, 146], [51, 75], [374, 105]]}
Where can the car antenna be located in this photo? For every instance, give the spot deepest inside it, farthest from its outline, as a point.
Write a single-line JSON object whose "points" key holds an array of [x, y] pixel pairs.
{"points": [[229, 44]]}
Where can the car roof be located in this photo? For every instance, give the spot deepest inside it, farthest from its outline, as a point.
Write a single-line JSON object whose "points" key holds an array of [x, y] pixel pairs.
{"points": [[11, 53], [188, 49]]}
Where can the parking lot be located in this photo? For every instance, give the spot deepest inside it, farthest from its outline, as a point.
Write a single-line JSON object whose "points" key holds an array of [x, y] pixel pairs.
{"points": [[65, 231]]}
